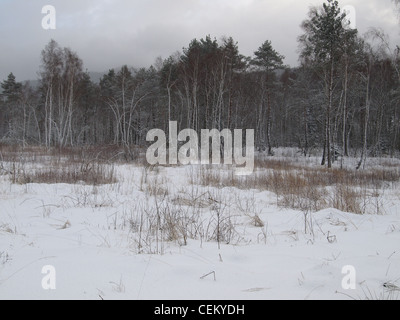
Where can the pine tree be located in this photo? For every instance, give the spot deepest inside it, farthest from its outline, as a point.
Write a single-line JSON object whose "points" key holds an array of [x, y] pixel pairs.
{"points": [[10, 97], [321, 46], [11, 89], [267, 59], [235, 63]]}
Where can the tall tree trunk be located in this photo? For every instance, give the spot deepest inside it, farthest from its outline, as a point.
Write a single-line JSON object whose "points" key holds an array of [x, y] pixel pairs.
{"points": [[366, 121], [268, 115], [344, 144], [305, 115], [269, 122], [323, 161], [328, 116], [50, 115]]}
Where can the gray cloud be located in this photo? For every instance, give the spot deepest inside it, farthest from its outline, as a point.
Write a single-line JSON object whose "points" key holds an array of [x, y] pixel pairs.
{"points": [[108, 33]]}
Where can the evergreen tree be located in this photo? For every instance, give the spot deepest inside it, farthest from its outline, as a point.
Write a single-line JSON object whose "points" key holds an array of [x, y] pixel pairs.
{"points": [[267, 59], [321, 46], [236, 63], [10, 96], [11, 89]]}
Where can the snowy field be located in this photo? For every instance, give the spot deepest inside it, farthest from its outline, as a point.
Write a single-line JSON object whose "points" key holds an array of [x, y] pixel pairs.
{"points": [[163, 233]]}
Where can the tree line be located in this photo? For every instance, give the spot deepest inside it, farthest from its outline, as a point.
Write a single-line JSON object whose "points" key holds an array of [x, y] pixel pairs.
{"points": [[344, 97]]}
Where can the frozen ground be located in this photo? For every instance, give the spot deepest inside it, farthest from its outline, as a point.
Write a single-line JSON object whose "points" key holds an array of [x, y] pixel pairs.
{"points": [[102, 245]]}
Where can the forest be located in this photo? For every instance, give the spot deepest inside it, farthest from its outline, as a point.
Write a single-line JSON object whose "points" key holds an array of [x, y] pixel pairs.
{"points": [[342, 100]]}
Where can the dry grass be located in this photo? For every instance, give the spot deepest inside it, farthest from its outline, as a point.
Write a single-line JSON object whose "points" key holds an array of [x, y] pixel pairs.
{"points": [[345, 198], [6, 228], [76, 173], [105, 153], [309, 188], [4, 258], [152, 183], [158, 220], [37, 165]]}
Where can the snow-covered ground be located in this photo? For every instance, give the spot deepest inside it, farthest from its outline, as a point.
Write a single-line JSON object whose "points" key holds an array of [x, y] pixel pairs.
{"points": [[112, 242]]}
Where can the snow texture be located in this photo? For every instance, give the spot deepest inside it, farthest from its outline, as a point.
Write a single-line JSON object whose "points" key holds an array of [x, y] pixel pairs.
{"points": [[88, 234]]}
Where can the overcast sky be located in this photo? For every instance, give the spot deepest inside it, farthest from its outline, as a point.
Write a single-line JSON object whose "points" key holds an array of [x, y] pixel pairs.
{"points": [[110, 33]]}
